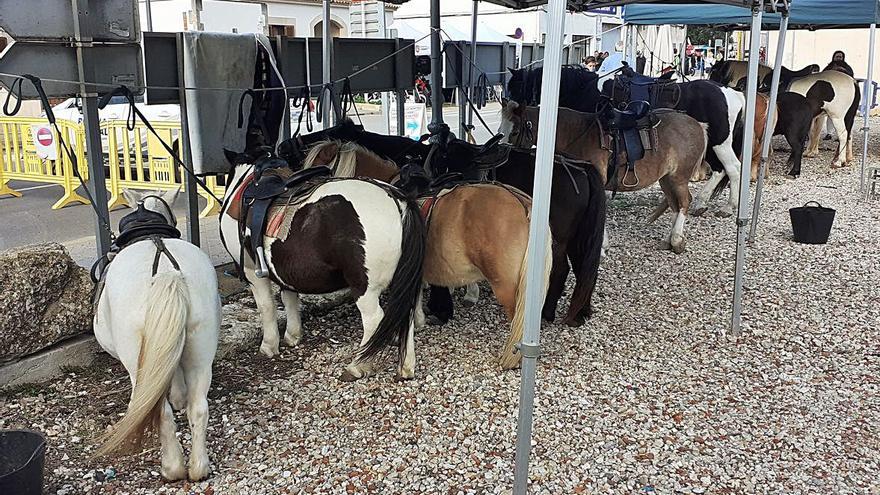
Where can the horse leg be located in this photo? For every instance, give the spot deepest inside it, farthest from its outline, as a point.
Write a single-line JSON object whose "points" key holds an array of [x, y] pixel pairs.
{"points": [[815, 131], [198, 379], [606, 242], [177, 394], [558, 276], [173, 468], [408, 368], [844, 153], [701, 204], [472, 294], [262, 291], [681, 199], [293, 333], [439, 305], [419, 311], [732, 167], [371, 315]]}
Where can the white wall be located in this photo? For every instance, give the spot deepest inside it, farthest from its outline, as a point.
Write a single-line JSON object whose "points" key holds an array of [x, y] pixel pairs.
{"points": [[305, 16], [167, 14], [226, 17], [816, 47]]}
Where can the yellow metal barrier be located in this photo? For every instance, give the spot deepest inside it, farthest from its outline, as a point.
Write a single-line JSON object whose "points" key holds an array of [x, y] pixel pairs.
{"points": [[20, 161], [141, 162], [136, 160]]}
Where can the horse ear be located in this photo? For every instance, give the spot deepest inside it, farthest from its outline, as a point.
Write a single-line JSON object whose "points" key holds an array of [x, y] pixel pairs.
{"points": [[231, 156], [131, 197], [170, 196]]}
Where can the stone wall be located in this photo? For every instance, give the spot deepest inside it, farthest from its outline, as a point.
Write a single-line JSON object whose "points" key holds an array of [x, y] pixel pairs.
{"points": [[45, 297]]}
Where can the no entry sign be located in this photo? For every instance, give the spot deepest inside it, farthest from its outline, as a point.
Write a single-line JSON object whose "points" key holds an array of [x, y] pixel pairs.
{"points": [[44, 142]]}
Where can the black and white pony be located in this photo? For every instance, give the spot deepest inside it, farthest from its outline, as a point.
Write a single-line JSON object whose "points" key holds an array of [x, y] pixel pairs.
{"points": [[840, 108], [344, 233]]}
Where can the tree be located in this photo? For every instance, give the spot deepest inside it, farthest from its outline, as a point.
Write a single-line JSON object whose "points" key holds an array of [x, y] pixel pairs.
{"points": [[700, 35]]}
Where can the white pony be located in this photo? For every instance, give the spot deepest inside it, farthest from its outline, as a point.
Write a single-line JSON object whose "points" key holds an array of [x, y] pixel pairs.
{"points": [[163, 328]]}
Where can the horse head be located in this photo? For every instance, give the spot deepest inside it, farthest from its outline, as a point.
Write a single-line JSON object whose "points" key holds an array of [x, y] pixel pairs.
{"points": [[516, 129], [516, 84], [150, 207]]}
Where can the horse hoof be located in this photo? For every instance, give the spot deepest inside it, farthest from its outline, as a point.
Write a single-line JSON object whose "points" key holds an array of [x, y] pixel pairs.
{"points": [[678, 248], [174, 473], [548, 318], [467, 303], [698, 212], [292, 341], [198, 469], [404, 375], [811, 154], [435, 320], [348, 377], [665, 245], [724, 213], [575, 322], [269, 351]]}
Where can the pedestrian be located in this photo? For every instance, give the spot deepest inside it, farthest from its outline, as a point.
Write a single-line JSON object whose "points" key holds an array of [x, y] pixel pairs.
{"points": [[591, 64], [838, 63]]}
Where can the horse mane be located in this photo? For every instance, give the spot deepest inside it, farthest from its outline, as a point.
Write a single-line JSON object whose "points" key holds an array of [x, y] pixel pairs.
{"points": [[344, 161]]}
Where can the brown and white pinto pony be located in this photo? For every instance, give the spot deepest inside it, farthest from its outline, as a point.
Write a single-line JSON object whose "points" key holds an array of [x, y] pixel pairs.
{"points": [[462, 248], [681, 142], [351, 233]]}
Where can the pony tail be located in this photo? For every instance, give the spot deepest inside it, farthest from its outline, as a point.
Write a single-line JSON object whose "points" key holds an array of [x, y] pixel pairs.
{"points": [[162, 344], [510, 357], [589, 248], [404, 289]]}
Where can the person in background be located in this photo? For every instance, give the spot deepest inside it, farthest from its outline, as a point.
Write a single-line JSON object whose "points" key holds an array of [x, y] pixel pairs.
{"points": [[591, 64], [838, 62], [641, 61]]}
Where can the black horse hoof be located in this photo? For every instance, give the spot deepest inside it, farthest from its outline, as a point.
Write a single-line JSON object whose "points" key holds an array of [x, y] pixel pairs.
{"points": [[435, 320]]}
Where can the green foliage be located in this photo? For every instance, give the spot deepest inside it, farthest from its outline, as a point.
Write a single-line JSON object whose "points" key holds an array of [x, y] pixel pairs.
{"points": [[700, 35]]}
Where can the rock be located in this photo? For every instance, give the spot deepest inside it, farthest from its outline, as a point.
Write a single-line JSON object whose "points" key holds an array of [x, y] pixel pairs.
{"points": [[45, 297]]}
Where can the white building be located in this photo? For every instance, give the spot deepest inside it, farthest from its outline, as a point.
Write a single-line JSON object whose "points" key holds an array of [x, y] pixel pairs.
{"points": [[276, 17]]}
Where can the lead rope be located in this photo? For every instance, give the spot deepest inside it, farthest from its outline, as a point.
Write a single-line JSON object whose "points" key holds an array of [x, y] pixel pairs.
{"points": [[15, 89]]}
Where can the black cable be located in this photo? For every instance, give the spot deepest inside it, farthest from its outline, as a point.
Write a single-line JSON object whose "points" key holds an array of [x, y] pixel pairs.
{"points": [[16, 90], [348, 100], [126, 92]]}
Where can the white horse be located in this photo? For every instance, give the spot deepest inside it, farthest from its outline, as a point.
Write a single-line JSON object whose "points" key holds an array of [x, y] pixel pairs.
{"points": [[163, 327]]}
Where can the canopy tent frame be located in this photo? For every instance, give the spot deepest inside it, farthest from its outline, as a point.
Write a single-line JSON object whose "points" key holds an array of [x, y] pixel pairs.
{"points": [[539, 230]]}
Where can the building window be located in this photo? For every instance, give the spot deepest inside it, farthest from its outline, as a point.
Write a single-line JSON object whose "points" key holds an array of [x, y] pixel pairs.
{"points": [[281, 30]]}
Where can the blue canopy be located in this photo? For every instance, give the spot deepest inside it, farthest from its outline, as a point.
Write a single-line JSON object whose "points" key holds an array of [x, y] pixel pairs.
{"points": [[804, 14]]}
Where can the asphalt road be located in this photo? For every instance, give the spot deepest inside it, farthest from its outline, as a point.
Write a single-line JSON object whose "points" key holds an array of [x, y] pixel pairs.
{"points": [[30, 219]]}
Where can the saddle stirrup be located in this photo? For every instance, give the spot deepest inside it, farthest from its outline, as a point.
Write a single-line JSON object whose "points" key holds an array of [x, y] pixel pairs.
{"points": [[262, 269], [626, 174]]}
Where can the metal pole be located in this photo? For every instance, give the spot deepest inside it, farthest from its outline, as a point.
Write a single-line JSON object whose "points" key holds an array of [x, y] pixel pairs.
{"points": [[869, 86], [475, 10], [436, 68], [633, 49], [363, 18], [683, 51], [725, 44], [383, 33], [149, 12], [768, 129], [400, 102], [461, 96], [539, 235], [325, 73], [742, 218], [185, 150], [97, 185]]}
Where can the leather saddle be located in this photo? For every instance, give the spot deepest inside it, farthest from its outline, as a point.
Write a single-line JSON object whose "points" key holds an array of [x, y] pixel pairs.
{"points": [[272, 181], [630, 131], [140, 224]]}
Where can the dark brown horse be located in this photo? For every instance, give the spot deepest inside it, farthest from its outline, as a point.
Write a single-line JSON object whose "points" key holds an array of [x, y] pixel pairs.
{"points": [[681, 143], [461, 248]]}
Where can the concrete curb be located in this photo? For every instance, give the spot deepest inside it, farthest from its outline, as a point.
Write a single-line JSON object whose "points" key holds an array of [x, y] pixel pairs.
{"points": [[47, 364]]}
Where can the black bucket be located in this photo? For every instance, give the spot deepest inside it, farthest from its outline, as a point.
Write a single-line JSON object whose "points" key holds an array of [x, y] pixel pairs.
{"points": [[22, 454], [811, 224]]}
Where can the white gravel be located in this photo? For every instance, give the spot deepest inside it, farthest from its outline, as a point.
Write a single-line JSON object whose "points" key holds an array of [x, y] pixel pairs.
{"points": [[644, 398]]}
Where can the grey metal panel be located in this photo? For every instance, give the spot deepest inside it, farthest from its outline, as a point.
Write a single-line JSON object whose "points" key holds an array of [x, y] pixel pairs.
{"points": [[293, 65], [120, 64], [352, 55], [160, 63], [490, 59], [114, 20]]}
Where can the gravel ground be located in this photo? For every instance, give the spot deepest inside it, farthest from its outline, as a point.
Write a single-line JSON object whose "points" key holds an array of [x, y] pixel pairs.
{"points": [[646, 398]]}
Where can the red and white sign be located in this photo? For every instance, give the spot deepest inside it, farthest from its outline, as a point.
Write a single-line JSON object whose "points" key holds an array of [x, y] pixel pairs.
{"points": [[44, 142]]}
